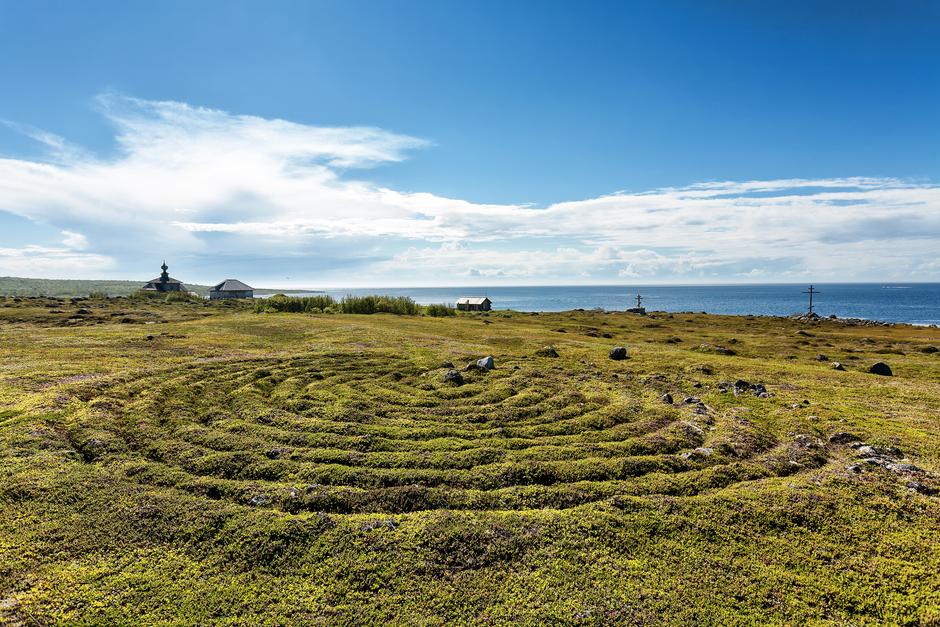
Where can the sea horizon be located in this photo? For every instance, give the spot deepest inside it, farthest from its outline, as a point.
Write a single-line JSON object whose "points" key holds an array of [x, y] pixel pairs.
{"points": [[905, 302]]}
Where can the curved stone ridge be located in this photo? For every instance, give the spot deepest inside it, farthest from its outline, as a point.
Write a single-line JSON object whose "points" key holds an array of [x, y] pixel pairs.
{"points": [[373, 432]]}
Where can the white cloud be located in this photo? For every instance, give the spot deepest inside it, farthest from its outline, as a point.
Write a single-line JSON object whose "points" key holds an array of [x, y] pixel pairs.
{"points": [[45, 261], [184, 177], [73, 240]]}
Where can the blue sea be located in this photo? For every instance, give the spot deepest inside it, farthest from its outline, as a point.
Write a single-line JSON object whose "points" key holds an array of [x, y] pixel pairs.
{"points": [[915, 303]]}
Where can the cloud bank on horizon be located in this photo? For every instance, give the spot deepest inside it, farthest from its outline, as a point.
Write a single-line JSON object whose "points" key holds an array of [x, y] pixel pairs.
{"points": [[281, 203]]}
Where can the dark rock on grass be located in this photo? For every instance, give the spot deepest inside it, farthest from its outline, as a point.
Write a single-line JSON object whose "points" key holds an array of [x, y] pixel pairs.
{"points": [[691, 400], [547, 351], [452, 376], [881, 369], [922, 488], [837, 366], [821, 357], [486, 363], [715, 350], [560, 330], [842, 437], [702, 368], [724, 386], [618, 353], [741, 386], [277, 453], [260, 500], [930, 350], [447, 364], [666, 398]]}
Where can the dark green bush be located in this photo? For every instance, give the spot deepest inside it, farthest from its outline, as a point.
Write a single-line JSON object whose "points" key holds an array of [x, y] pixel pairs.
{"points": [[401, 305], [296, 304], [440, 311]]}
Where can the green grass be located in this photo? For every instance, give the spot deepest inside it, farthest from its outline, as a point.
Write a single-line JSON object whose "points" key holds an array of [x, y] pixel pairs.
{"points": [[220, 465]]}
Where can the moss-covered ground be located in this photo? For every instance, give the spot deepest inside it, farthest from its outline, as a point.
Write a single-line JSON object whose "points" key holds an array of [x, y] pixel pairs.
{"points": [[195, 463]]}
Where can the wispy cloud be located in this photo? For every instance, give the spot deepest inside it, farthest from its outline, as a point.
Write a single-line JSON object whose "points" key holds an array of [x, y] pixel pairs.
{"points": [[200, 182]]}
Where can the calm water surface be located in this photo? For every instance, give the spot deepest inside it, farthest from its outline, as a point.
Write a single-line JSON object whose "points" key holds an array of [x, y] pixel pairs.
{"points": [[917, 303]]}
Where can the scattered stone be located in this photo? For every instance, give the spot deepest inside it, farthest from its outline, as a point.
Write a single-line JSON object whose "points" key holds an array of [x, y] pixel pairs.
{"points": [[821, 357], [149, 337], [666, 398], [700, 408], [697, 385], [837, 366], [702, 368], [724, 387], [922, 488], [930, 350], [881, 369], [689, 400], [560, 330], [447, 364], [486, 363], [260, 500], [547, 351], [715, 350], [372, 525], [452, 376], [277, 453], [842, 437], [618, 353]]}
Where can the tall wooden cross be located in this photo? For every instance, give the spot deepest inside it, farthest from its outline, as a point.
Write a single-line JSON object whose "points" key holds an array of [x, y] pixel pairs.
{"points": [[811, 291], [639, 300]]}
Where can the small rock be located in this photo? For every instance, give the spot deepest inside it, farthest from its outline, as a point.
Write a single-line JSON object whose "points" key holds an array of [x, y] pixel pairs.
{"points": [[547, 351], [486, 363], [821, 357], [881, 368], [447, 364], [277, 453], [452, 376], [260, 500], [618, 353], [842, 438], [930, 350], [922, 488], [837, 366], [666, 398], [691, 400]]}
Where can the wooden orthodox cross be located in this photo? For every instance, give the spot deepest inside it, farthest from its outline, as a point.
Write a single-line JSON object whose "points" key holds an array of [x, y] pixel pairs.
{"points": [[811, 292]]}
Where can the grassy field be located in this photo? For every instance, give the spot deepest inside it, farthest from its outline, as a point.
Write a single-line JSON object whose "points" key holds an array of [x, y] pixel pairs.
{"points": [[180, 463]]}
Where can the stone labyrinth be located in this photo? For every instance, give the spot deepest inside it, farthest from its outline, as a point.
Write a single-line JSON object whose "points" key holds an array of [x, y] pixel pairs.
{"points": [[374, 432]]}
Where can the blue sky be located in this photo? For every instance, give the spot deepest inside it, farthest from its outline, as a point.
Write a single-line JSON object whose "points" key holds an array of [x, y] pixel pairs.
{"points": [[421, 143]]}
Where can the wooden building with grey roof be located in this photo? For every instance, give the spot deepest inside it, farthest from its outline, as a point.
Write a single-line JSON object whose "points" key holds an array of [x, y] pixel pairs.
{"points": [[231, 288], [474, 303]]}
